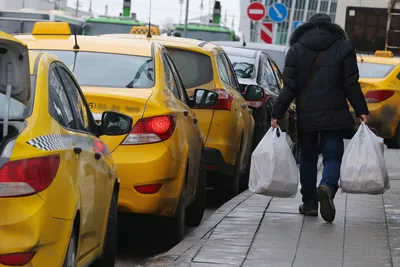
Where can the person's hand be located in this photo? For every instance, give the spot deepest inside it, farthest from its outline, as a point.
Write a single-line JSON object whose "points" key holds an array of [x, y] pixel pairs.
{"points": [[364, 118], [274, 123]]}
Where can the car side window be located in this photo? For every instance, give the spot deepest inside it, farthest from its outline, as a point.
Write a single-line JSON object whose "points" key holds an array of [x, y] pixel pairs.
{"points": [[179, 83], [267, 75], [77, 102], [222, 70], [277, 72], [60, 108], [169, 79], [231, 73]]}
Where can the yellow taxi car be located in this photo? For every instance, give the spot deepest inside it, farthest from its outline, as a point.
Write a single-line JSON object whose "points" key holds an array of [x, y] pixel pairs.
{"points": [[380, 83], [58, 182], [160, 160], [228, 126]]}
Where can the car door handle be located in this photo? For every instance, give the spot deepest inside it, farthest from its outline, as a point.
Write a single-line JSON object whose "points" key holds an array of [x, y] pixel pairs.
{"points": [[77, 150], [195, 120], [185, 113], [97, 155]]}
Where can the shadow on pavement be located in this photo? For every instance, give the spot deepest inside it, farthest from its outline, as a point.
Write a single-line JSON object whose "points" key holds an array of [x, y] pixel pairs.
{"points": [[139, 239]]}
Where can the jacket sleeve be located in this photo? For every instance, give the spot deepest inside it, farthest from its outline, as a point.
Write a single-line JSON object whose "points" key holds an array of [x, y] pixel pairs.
{"points": [[290, 85], [351, 84]]}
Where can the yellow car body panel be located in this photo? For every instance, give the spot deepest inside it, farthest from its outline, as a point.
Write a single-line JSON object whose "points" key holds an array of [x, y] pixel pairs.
{"points": [[42, 222], [384, 115], [226, 132], [169, 162]]}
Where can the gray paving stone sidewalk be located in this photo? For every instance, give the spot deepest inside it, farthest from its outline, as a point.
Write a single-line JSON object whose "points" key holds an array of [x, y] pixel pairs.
{"points": [[255, 230]]}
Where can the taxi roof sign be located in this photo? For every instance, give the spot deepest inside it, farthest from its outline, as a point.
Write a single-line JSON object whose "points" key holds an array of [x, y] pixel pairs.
{"points": [[380, 53], [51, 28], [154, 30]]}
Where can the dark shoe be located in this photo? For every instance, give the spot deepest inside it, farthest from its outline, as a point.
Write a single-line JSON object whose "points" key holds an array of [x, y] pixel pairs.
{"points": [[309, 209], [327, 208]]}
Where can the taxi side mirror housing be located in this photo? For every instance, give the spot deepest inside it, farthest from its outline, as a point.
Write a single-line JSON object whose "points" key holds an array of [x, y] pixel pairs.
{"points": [[253, 93], [205, 98], [114, 123]]}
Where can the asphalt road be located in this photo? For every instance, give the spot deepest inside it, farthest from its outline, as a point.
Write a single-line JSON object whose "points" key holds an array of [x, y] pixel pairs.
{"points": [[136, 236]]}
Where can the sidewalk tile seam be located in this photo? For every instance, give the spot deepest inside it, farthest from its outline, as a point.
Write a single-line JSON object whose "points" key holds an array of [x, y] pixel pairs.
{"points": [[298, 241], [344, 229], [209, 231], [387, 232], [258, 228]]}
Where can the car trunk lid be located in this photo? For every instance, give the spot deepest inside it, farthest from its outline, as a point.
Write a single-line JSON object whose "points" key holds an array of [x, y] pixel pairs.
{"points": [[131, 102]]}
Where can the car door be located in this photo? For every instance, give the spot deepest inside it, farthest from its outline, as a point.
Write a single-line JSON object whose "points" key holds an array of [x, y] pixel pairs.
{"points": [[193, 129], [185, 118], [93, 172], [240, 106]]}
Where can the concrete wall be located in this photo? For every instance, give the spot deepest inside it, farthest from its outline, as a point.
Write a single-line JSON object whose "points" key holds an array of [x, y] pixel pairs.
{"points": [[343, 4]]}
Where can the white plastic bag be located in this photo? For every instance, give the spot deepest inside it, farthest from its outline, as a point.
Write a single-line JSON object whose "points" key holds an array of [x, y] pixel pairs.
{"points": [[363, 169], [273, 170]]}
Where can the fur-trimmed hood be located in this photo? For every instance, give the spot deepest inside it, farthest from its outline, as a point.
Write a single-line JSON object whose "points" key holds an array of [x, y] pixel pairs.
{"points": [[317, 36]]}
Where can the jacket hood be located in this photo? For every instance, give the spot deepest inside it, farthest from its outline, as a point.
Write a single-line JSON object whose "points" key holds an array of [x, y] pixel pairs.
{"points": [[317, 35]]}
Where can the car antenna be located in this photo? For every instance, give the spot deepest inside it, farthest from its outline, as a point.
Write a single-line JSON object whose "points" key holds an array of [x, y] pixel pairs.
{"points": [[149, 32], [244, 41], [76, 46]]}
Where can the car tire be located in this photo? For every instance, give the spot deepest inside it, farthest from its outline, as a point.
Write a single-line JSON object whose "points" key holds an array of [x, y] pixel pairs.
{"points": [[175, 226], [109, 254], [195, 212], [394, 143], [234, 180], [70, 257]]}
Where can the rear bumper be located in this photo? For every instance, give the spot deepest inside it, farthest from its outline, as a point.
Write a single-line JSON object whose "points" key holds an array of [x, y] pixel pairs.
{"points": [[30, 228], [214, 161], [148, 164]]}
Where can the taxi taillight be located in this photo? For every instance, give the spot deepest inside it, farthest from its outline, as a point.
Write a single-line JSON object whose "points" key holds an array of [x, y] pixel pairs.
{"points": [[151, 130], [377, 96], [28, 176], [16, 259]]}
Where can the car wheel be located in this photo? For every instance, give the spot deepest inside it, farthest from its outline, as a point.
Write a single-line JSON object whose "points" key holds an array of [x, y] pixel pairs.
{"points": [[395, 142], [234, 181], [110, 244], [175, 226], [195, 212], [70, 257]]}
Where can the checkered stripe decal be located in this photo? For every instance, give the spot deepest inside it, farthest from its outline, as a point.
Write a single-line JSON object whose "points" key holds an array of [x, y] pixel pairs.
{"points": [[52, 142], [143, 31]]}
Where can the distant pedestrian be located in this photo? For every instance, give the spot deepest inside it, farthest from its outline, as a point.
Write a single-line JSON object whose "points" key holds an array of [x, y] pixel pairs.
{"points": [[321, 73]]}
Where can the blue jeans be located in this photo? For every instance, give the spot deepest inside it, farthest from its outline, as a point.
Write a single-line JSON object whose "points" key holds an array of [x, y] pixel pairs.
{"points": [[332, 148]]}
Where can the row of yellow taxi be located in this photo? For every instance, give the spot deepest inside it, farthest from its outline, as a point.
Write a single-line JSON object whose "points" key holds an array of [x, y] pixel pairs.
{"points": [[95, 125]]}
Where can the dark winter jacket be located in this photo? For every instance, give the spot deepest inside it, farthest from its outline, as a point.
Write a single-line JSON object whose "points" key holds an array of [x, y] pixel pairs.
{"points": [[323, 105]]}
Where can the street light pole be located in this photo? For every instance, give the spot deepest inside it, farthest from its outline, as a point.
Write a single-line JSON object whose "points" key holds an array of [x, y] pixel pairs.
{"points": [[186, 19]]}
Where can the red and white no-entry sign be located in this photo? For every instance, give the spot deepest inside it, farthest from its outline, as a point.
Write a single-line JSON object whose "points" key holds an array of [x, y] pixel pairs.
{"points": [[266, 32], [256, 11]]}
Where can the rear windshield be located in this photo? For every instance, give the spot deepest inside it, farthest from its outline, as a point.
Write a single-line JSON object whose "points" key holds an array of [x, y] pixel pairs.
{"points": [[244, 66], [109, 70], [374, 70], [206, 35], [194, 68], [13, 26]]}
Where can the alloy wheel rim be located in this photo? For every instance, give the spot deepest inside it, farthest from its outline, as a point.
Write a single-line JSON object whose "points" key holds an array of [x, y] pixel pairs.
{"points": [[71, 253]]}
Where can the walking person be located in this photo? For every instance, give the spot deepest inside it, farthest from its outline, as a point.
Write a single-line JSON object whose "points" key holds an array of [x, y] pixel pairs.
{"points": [[321, 73]]}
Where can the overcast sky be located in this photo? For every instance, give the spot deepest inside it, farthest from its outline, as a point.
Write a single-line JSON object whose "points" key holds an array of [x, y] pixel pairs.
{"points": [[163, 9]]}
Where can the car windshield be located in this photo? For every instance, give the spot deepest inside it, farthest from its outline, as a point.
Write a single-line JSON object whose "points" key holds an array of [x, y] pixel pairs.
{"points": [[195, 68], [16, 111], [98, 28], [374, 70], [244, 66], [109, 70], [13, 26], [206, 35]]}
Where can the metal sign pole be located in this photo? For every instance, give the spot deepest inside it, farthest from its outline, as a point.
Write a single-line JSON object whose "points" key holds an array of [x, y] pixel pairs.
{"points": [[186, 19]]}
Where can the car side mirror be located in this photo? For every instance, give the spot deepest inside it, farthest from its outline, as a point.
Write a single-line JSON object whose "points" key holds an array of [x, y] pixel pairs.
{"points": [[114, 123], [253, 93], [205, 98]]}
